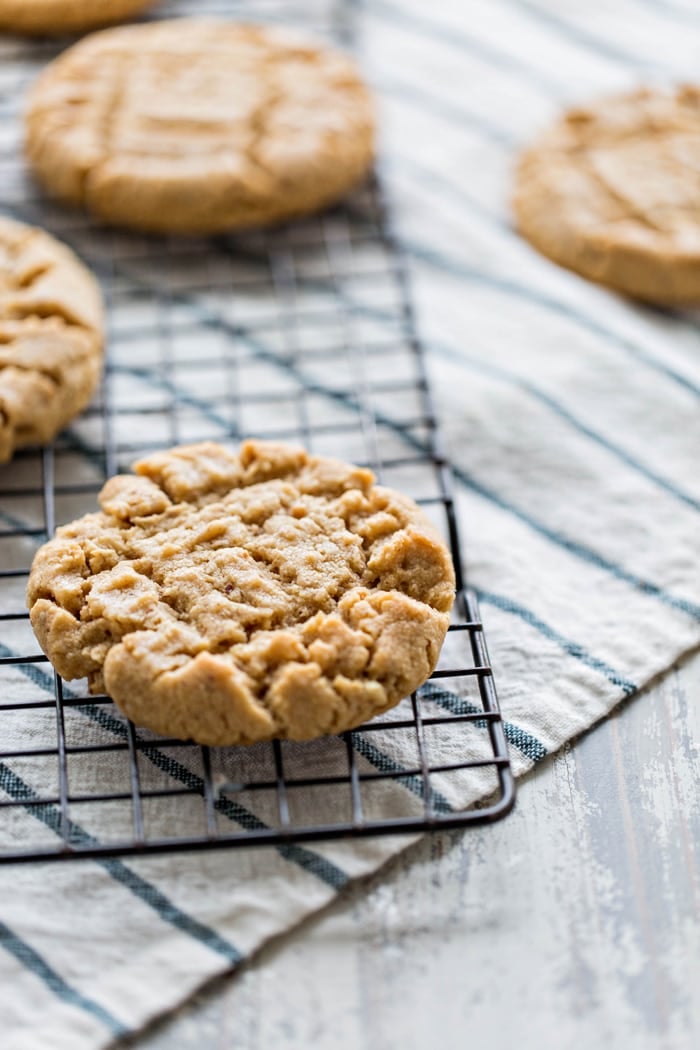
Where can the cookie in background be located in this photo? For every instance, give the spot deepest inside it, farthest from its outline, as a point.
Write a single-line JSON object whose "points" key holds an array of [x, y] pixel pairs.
{"points": [[612, 191], [213, 126], [55, 17], [51, 335]]}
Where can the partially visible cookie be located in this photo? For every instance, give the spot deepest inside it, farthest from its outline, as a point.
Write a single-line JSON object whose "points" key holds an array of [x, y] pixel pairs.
{"points": [[50, 336], [196, 126], [37, 17], [612, 191], [235, 598]]}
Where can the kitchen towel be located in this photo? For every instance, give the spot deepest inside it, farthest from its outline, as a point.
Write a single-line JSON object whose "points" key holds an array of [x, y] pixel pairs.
{"points": [[572, 422]]}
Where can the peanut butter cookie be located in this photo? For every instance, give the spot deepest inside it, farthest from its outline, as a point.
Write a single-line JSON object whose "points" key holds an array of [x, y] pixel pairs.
{"points": [[234, 598], [613, 192], [192, 126], [37, 17], [50, 336]]}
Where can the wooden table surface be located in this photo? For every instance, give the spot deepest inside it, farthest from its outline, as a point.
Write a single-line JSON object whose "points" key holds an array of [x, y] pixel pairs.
{"points": [[573, 923]]}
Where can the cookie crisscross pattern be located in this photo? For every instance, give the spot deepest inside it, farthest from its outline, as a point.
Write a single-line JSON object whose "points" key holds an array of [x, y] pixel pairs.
{"points": [[199, 126], [232, 598]]}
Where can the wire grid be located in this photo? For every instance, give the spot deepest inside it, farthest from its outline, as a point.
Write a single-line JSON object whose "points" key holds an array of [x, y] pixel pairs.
{"points": [[304, 334]]}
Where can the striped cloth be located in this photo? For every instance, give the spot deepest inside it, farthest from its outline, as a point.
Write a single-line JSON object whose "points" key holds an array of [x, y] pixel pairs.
{"points": [[572, 422]]}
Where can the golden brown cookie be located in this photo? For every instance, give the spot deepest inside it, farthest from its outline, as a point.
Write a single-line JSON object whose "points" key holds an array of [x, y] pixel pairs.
{"points": [[65, 16], [613, 192], [192, 126], [235, 598], [50, 336]]}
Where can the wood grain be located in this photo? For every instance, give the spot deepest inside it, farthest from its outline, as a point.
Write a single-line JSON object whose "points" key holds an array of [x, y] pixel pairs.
{"points": [[573, 923]]}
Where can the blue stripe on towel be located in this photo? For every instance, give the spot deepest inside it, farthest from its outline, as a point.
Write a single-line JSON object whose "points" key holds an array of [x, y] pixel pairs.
{"points": [[440, 261], [446, 110], [385, 764], [495, 371], [580, 550], [582, 38], [458, 39], [33, 961], [572, 648], [667, 10], [525, 742], [312, 862], [50, 815]]}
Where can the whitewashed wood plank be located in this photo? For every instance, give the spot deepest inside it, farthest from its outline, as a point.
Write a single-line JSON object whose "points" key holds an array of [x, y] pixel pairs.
{"points": [[575, 922]]}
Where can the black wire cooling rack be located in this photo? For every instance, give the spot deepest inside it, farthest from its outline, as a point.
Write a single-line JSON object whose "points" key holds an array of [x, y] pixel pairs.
{"points": [[304, 334]]}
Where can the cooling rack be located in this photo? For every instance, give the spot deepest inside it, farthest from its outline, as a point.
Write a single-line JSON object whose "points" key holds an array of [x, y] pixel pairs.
{"points": [[304, 334]]}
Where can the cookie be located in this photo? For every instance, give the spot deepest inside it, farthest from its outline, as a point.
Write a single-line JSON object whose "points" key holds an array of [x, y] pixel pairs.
{"points": [[192, 126], [613, 192], [65, 16], [234, 598], [50, 336]]}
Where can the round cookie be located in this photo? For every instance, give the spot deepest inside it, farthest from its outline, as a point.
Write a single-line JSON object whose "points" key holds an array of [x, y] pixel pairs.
{"points": [[50, 336], [196, 126], [37, 17], [234, 598], [613, 192]]}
